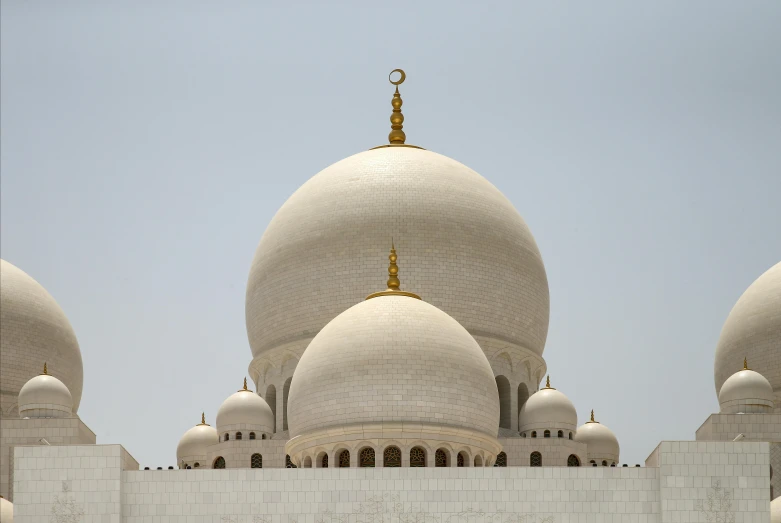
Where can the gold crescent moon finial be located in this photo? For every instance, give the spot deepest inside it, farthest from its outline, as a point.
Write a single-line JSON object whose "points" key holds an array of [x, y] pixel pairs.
{"points": [[401, 78], [397, 136]]}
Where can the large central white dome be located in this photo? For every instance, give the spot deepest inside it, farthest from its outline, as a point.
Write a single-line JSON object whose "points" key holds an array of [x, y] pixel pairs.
{"points": [[467, 250]]}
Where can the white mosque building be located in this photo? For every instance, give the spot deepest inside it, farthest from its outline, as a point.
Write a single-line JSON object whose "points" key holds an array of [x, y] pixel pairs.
{"points": [[437, 375]]}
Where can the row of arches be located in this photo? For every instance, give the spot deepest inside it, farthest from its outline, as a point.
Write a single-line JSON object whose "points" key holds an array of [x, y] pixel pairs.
{"points": [[547, 434], [392, 457], [238, 436]]}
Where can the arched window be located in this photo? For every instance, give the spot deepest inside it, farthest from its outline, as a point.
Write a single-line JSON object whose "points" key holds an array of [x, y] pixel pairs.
{"points": [[534, 434], [505, 403], [289, 464], [238, 435], [256, 462], [523, 434], [547, 434], [593, 462], [366, 458], [227, 437], [262, 436], [573, 461], [324, 461], [251, 435], [308, 462], [285, 392], [219, 463], [271, 399], [501, 460], [570, 435], [417, 457], [523, 395], [535, 460], [197, 465], [561, 434], [604, 463], [344, 459], [440, 458], [391, 457], [478, 461], [461, 459]]}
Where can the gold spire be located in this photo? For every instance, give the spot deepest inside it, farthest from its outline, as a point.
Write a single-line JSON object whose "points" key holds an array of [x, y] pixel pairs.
{"points": [[393, 279], [396, 138], [45, 368], [547, 383], [592, 418], [745, 364], [203, 419], [245, 389]]}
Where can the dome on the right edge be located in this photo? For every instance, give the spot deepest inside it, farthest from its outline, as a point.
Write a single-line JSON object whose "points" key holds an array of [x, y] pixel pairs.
{"points": [[753, 331]]}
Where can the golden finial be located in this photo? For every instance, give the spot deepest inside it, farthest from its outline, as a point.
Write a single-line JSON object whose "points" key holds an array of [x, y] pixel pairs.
{"points": [[396, 135], [203, 419], [547, 383], [393, 279], [745, 364], [245, 389], [45, 368], [592, 418]]}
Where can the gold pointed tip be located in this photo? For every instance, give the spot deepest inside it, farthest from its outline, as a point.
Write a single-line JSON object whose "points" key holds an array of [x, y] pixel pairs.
{"points": [[547, 382], [245, 383], [745, 364], [592, 418], [45, 368], [394, 284], [203, 418]]}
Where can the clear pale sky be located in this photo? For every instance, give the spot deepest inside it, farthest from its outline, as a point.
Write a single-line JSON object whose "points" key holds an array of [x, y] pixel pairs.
{"points": [[146, 145]]}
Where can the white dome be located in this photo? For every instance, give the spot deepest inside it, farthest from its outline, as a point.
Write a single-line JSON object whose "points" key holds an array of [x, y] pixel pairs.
{"points": [[468, 251], [193, 447], [45, 396], [6, 511], [548, 409], [393, 359], [245, 410], [601, 443], [746, 391], [33, 330], [775, 510], [753, 331]]}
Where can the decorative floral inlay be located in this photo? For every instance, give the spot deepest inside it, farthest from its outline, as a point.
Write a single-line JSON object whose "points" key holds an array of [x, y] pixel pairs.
{"points": [[717, 507]]}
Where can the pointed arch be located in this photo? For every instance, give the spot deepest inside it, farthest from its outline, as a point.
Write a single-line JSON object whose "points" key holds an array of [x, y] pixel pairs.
{"points": [[505, 403], [271, 399], [285, 393]]}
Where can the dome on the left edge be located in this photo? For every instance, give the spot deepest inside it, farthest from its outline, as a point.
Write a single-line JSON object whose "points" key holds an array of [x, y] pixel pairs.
{"points": [[33, 330]]}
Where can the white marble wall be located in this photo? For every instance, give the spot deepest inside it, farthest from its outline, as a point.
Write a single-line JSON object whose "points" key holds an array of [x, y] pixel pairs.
{"points": [[57, 431], [69, 484], [96, 489]]}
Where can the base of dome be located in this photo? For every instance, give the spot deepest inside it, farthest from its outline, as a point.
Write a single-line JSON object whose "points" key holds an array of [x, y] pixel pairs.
{"points": [[308, 450]]}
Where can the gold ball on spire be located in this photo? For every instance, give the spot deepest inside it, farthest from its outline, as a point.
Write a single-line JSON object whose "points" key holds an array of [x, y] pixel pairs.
{"points": [[394, 284]]}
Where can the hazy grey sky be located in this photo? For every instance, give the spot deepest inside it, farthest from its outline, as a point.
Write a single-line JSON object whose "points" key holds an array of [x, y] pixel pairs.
{"points": [[146, 145]]}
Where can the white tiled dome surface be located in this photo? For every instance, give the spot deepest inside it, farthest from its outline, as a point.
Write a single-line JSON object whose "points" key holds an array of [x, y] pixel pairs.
{"points": [[33, 331], [753, 331], [462, 246], [393, 359]]}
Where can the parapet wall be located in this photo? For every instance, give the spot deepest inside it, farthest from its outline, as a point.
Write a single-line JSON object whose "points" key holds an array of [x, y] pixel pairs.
{"points": [[691, 475]]}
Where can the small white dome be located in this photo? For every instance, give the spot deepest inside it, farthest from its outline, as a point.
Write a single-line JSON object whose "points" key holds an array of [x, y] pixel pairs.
{"points": [[7, 511], [746, 391], [602, 444], [775, 510], [193, 446], [245, 410], [548, 409], [45, 396]]}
